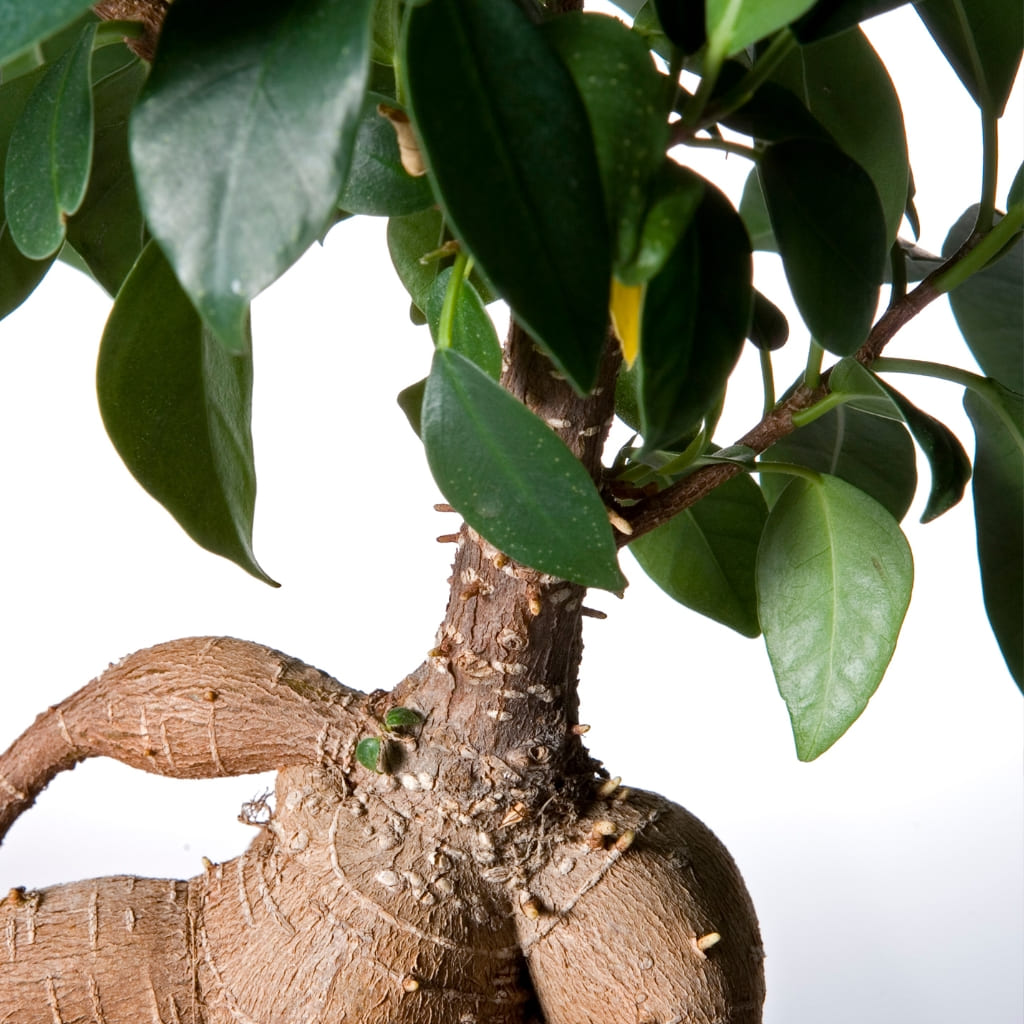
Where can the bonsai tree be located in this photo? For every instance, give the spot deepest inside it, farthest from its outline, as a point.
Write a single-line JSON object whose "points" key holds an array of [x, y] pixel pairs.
{"points": [[447, 849]]}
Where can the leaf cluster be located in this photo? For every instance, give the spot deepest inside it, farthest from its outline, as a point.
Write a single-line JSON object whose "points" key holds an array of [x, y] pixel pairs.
{"points": [[540, 158]]}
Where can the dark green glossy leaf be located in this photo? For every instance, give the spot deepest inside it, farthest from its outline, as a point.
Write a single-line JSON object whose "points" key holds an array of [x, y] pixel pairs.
{"points": [[410, 238], [624, 96], [834, 575], [410, 401], [18, 274], [846, 87], [735, 24], [647, 26], [683, 23], [675, 195], [473, 332], [769, 329], [500, 121], [23, 24], [402, 718], [108, 231], [512, 478], [755, 215], [872, 453], [950, 467], [772, 114], [981, 39], [176, 405], [989, 308], [1016, 190], [377, 184], [831, 234], [704, 557], [949, 464], [50, 153], [830, 17], [242, 139], [999, 512], [695, 317], [369, 752]]}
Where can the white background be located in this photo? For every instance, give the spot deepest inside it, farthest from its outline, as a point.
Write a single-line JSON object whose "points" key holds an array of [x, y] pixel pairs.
{"points": [[887, 874]]}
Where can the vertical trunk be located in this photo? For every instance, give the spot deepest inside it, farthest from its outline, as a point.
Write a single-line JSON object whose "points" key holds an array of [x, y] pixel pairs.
{"points": [[505, 666]]}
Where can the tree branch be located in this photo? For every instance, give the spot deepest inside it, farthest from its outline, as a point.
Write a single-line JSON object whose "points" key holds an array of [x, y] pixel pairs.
{"points": [[196, 708], [650, 513]]}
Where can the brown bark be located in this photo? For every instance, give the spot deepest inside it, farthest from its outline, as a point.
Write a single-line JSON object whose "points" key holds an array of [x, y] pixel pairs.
{"points": [[492, 872]]}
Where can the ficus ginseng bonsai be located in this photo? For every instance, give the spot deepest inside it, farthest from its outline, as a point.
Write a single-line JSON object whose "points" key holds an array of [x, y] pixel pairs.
{"points": [[447, 850]]}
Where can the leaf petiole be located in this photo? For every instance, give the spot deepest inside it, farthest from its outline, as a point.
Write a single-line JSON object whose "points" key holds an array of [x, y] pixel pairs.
{"points": [[460, 271]]}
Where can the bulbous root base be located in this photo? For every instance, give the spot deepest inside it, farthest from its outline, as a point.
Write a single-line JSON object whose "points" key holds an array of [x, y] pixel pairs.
{"points": [[441, 894]]}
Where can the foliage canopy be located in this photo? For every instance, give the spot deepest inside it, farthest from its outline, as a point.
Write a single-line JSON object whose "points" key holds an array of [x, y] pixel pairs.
{"points": [[555, 156]]}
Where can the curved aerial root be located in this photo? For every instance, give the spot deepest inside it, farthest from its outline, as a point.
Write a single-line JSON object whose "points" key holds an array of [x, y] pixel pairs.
{"points": [[194, 708]]}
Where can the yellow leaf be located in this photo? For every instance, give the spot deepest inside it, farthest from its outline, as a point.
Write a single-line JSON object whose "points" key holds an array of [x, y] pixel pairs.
{"points": [[626, 304]]}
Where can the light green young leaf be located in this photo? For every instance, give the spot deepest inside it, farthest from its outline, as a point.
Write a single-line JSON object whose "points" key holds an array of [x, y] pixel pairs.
{"points": [[704, 557], [734, 24], [50, 152], [500, 120], [999, 512], [834, 576], [176, 405], [242, 139], [512, 478]]}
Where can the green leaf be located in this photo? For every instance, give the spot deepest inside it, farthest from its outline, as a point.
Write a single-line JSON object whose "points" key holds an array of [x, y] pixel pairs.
{"points": [[981, 39], [108, 231], [624, 97], [734, 24], [831, 234], [18, 274], [512, 478], [242, 139], [950, 467], [50, 153], [683, 22], [754, 212], [989, 308], [410, 238], [999, 511], [410, 401], [830, 17], [769, 329], [402, 718], [473, 332], [377, 184], [23, 24], [506, 138], [845, 85], [704, 557], [834, 575], [695, 317], [368, 753], [675, 194], [176, 405], [847, 443]]}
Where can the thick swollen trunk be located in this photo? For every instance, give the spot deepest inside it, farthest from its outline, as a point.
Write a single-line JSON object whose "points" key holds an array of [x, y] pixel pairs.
{"points": [[489, 873]]}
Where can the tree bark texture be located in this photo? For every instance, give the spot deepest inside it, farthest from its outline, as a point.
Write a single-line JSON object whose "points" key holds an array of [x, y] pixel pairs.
{"points": [[491, 872]]}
